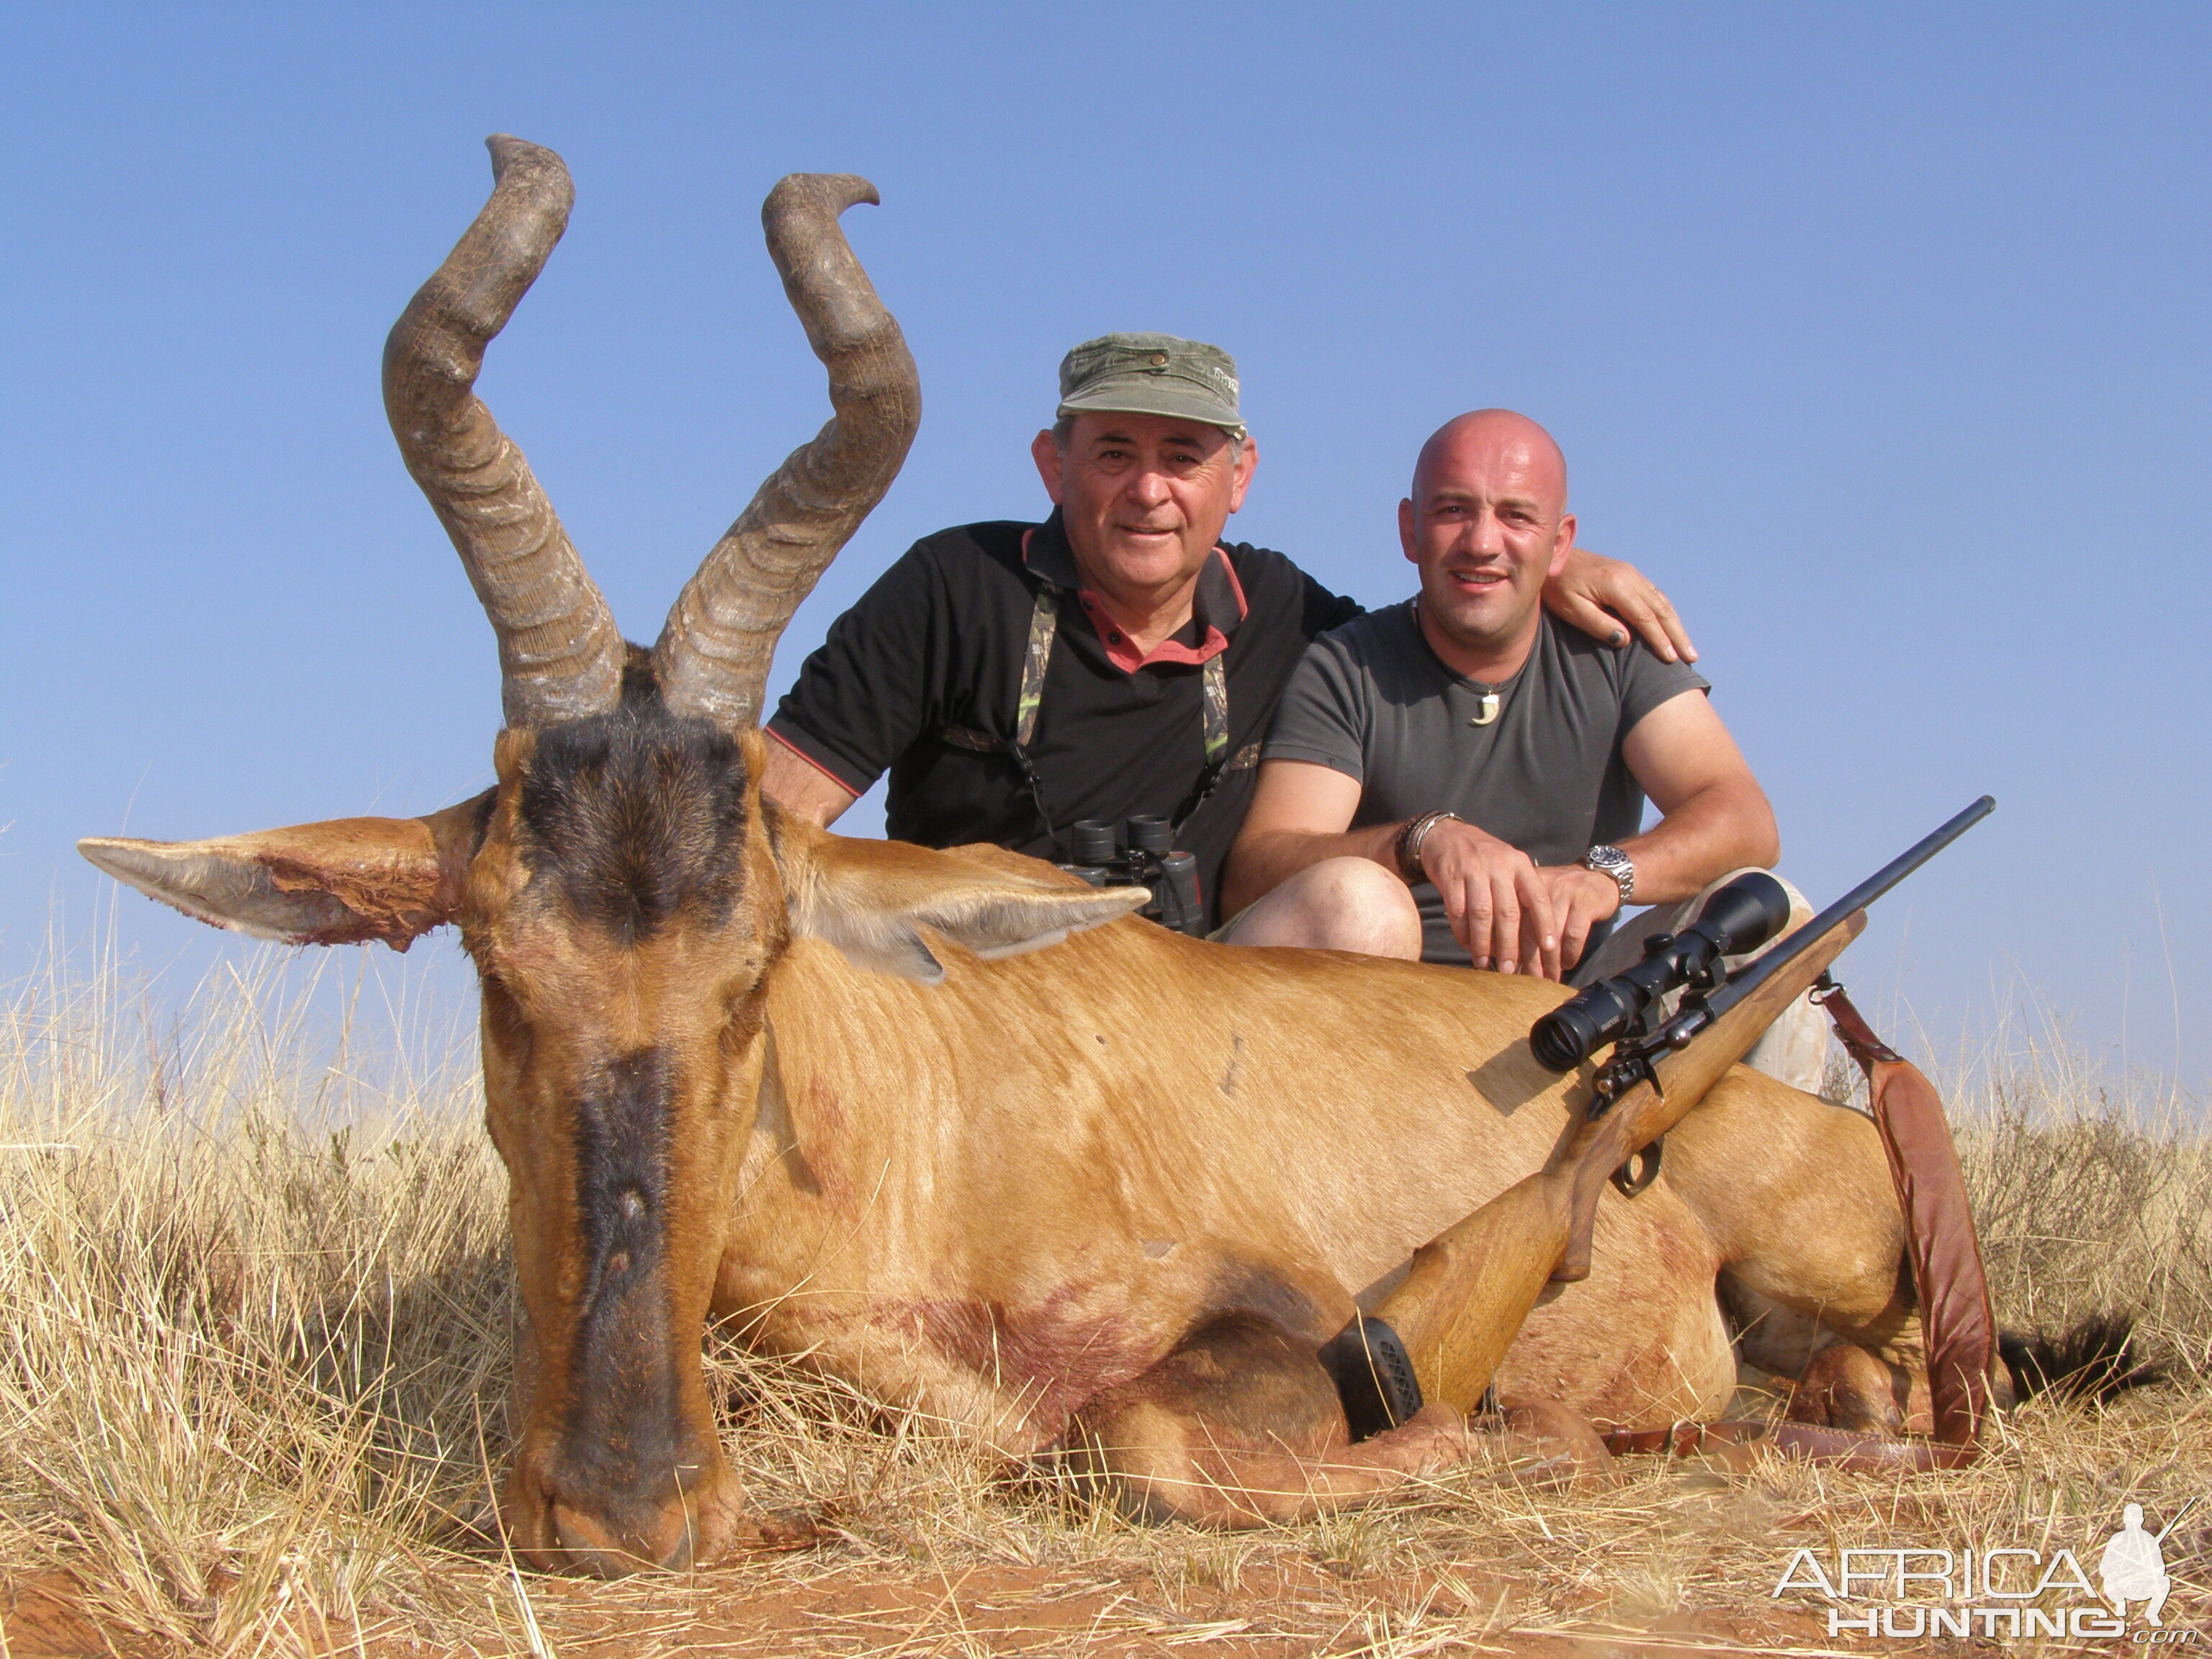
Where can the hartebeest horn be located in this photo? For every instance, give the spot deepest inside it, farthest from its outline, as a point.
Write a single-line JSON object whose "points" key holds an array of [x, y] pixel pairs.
{"points": [[713, 657], [560, 653]]}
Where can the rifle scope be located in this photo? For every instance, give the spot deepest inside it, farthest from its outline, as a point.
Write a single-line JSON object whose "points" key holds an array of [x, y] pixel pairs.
{"points": [[1739, 917]]}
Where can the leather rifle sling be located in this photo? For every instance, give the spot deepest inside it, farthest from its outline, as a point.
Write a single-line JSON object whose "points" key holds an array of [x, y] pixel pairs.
{"points": [[1939, 1224], [1863, 1453]]}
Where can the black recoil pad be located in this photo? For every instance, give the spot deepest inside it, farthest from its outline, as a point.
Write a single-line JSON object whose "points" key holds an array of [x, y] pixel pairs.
{"points": [[1374, 1377]]}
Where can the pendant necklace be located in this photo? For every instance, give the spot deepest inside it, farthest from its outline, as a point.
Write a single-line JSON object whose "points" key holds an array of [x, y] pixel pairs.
{"points": [[1487, 706]]}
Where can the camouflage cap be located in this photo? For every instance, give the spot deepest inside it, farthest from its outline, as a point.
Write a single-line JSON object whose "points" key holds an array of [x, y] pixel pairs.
{"points": [[1151, 374]]}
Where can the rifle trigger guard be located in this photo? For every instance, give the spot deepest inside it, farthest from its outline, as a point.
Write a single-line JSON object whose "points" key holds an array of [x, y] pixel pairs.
{"points": [[1641, 1170]]}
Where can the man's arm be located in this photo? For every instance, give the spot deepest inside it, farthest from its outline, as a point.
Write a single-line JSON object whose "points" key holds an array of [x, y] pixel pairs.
{"points": [[798, 785], [1504, 908], [1596, 595], [1300, 814], [1500, 905], [1715, 817], [862, 696]]}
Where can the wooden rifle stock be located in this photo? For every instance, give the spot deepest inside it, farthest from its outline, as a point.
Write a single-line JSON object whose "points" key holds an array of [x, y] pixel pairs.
{"points": [[1470, 1288], [1590, 1149]]}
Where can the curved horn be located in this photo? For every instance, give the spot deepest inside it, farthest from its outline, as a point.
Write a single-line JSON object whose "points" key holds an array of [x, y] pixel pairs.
{"points": [[560, 653], [713, 657]]}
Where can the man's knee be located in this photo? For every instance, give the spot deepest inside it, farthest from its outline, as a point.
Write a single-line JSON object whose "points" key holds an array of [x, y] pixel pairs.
{"points": [[1338, 904], [1795, 1049]]}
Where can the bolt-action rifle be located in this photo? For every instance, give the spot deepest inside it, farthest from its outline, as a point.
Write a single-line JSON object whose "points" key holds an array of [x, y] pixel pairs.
{"points": [[1440, 1334], [1657, 1073]]}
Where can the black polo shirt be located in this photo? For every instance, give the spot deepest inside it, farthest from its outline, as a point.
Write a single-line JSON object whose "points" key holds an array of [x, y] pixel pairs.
{"points": [[938, 644]]}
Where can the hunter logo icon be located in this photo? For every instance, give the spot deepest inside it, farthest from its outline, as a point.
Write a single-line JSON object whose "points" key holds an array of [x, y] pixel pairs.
{"points": [[1998, 1591], [2133, 1566]]}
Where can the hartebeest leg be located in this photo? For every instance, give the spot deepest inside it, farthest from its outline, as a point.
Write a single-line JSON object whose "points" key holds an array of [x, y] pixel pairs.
{"points": [[1240, 1426], [1795, 1192], [1848, 1387]]}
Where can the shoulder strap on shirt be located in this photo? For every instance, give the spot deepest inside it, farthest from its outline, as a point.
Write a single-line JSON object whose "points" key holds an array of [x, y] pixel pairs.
{"points": [[1044, 626], [1044, 623]]}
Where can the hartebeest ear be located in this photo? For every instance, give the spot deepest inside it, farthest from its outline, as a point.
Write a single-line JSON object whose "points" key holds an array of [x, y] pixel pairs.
{"points": [[872, 898], [343, 881]]}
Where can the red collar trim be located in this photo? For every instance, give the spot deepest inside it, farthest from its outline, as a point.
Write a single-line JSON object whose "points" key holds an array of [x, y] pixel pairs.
{"points": [[1122, 650], [1219, 599]]}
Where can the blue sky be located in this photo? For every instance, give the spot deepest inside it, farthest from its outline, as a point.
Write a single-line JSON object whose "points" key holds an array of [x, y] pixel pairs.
{"points": [[1878, 335]]}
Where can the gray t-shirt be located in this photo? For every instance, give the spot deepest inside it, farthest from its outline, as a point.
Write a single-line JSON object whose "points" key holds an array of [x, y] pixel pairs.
{"points": [[1370, 699]]}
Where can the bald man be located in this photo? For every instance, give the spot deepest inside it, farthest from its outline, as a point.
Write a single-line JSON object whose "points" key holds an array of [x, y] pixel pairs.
{"points": [[1460, 779]]}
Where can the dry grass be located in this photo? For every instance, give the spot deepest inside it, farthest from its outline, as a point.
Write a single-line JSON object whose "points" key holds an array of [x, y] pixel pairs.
{"points": [[254, 1314]]}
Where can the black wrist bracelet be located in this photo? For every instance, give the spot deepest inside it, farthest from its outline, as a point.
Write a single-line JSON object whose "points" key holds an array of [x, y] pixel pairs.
{"points": [[1409, 844]]}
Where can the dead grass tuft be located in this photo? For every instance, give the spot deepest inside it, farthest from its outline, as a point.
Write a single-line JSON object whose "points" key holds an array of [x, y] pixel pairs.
{"points": [[254, 1338]]}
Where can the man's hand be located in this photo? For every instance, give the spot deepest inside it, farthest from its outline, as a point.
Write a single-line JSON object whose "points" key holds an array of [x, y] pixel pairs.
{"points": [[1507, 912], [1581, 898], [1596, 595]]}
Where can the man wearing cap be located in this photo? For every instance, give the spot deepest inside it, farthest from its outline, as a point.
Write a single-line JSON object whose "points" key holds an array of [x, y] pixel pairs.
{"points": [[1117, 658]]}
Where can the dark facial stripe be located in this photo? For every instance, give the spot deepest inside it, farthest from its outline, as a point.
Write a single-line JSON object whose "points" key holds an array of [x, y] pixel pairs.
{"points": [[622, 1174], [627, 1434]]}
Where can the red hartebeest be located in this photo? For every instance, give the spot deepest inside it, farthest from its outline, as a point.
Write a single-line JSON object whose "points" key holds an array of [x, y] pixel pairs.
{"points": [[1110, 1197]]}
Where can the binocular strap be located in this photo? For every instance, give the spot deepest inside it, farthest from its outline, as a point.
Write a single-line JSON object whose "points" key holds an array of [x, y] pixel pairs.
{"points": [[1036, 658]]}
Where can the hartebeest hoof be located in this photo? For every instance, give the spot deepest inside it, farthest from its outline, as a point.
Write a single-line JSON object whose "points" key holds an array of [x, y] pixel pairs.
{"points": [[1563, 1448], [1845, 1387], [1434, 1438]]}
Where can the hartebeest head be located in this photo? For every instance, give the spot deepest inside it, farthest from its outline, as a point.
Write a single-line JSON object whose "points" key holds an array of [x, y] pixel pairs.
{"points": [[623, 888]]}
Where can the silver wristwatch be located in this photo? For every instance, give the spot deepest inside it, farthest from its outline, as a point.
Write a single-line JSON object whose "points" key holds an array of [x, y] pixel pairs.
{"points": [[1612, 862]]}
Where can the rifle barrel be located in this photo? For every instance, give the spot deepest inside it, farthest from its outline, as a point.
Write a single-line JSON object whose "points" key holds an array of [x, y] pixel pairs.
{"points": [[1741, 986], [2163, 1530]]}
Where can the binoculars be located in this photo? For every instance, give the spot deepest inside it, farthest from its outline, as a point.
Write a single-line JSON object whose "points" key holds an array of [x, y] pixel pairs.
{"points": [[1097, 852], [1739, 917]]}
